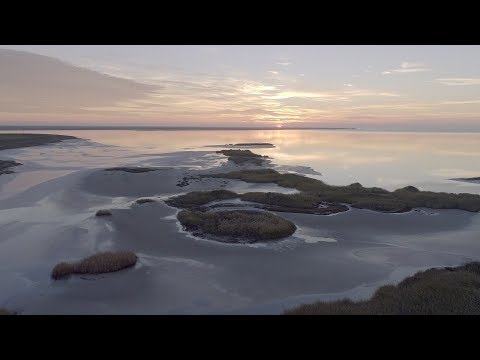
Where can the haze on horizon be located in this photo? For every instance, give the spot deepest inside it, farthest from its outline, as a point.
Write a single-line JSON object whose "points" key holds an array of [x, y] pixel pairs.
{"points": [[372, 87]]}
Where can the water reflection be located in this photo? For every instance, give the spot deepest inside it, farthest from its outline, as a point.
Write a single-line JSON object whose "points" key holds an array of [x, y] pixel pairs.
{"points": [[384, 159]]}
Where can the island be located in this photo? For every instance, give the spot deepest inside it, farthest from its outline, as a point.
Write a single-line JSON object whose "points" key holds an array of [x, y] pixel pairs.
{"points": [[99, 263], [437, 291]]}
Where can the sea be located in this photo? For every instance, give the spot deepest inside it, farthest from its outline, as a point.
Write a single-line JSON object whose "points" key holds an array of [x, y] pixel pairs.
{"points": [[390, 160]]}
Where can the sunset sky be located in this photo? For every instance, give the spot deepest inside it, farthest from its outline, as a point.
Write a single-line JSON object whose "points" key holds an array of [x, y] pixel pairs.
{"points": [[371, 87]]}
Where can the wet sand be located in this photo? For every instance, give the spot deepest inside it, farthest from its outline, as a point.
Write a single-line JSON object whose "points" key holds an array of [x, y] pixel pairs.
{"points": [[328, 257]]}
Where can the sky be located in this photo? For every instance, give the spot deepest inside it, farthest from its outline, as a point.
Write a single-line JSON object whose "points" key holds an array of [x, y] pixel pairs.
{"points": [[421, 87]]}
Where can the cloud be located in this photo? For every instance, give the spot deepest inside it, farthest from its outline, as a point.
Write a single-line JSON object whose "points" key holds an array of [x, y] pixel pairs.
{"points": [[302, 94], [365, 92], [461, 102], [407, 67], [284, 63], [32, 83], [458, 81], [273, 72], [161, 95]]}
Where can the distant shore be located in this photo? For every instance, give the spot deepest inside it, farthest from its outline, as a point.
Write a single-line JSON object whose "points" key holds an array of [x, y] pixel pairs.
{"points": [[173, 128], [15, 141], [473, 180]]}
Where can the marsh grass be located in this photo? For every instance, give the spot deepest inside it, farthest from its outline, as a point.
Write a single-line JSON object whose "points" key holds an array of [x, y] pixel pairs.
{"points": [[240, 157], [357, 196], [301, 200], [103, 262], [237, 225], [197, 198], [445, 291], [295, 203]]}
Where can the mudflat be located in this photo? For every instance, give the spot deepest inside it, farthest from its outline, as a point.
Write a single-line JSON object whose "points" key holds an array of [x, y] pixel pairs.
{"points": [[14, 141]]}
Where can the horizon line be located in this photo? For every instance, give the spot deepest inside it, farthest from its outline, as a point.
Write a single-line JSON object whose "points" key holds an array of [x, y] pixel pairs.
{"points": [[148, 127]]}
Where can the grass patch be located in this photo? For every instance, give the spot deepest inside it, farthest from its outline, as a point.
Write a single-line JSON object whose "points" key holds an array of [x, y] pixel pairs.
{"points": [[446, 291], [133, 170], [237, 225], [144, 201], [198, 198], [305, 203], [103, 212], [96, 264], [240, 157], [373, 198], [296, 203]]}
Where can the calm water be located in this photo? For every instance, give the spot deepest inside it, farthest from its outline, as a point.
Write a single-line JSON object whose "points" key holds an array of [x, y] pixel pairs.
{"points": [[385, 159]]}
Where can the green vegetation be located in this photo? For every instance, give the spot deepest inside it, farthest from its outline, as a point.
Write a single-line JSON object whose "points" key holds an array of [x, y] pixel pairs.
{"points": [[103, 212], [133, 170], [96, 264], [5, 166], [295, 203], [237, 225], [374, 198], [298, 182], [197, 198], [305, 203], [447, 291], [240, 157], [144, 201]]}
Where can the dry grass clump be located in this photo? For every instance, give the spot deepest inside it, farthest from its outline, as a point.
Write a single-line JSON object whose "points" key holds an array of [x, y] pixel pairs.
{"points": [[103, 212], [242, 156], [103, 262], [134, 170], [446, 291], [358, 196], [237, 225], [197, 198]]}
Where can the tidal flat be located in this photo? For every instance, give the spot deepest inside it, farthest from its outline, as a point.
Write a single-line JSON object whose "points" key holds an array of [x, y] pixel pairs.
{"points": [[331, 256]]}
